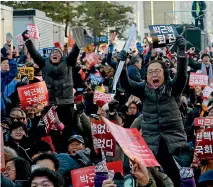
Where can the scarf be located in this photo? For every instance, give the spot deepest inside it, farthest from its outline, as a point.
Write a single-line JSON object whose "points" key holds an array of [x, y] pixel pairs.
{"points": [[203, 69]]}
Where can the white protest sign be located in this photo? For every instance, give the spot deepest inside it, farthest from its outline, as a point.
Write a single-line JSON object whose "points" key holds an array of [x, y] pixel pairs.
{"points": [[19, 39], [131, 38], [33, 31]]}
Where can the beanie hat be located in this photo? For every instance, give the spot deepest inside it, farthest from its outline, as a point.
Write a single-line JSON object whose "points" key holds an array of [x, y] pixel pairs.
{"points": [[204, 55], [57, 49], [100, 103], [78, 99]]}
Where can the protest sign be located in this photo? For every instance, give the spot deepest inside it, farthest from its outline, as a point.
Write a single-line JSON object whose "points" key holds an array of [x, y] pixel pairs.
{"points": [[207, 91], [196, 79], [81, 39], [207, 121], [163, 35], [9, 36], [103, 137], [19, 39], [28, 71], [132, 144], [91, 59], [33, 94], [102, 96], [33, 31], [95, 79], [131, 37], [2, 158], [85, 176], [204, 144], [50, 118]]}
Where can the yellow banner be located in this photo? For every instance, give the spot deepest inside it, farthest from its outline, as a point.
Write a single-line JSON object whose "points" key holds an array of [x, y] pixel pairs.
{"points": [[28, 71]]}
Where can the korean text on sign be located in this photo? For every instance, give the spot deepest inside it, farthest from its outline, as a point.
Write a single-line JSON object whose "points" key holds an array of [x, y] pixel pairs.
{"points": [[28, 71], [163, 34], [132, 144], [102, 96], [204, 143], [198, 80], [50, 119], [33, 94], [84, 177], [33, 31], [95, 80], [207, 121], [102, 137], [91, 59]]}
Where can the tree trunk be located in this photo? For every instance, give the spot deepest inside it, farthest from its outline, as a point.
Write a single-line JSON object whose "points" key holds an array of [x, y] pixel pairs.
{"points": [[66, 28]]}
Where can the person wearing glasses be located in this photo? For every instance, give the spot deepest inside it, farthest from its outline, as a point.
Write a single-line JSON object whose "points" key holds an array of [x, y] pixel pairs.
{"points": [[18, 140], [162, 124]]}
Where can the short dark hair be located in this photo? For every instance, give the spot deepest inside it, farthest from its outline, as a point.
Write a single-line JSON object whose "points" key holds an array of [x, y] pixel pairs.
{"points": [[48, 157], [53, 176], [16, 125], [122, 116], [40, 147], [135, 59], [22, 167]]}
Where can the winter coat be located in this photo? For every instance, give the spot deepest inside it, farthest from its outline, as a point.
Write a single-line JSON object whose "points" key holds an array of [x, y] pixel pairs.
{"points": [[134, 73], [58, 77], [4, 49], [161, 114], [23, 148], [137, 122], [6, 78], [202, 8]]}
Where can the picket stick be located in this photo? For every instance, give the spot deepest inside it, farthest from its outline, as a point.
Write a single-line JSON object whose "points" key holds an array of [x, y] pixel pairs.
{"points": [[132, 34]]}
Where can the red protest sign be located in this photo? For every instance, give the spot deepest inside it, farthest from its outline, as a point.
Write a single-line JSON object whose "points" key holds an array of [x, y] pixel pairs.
{"points": [[132, 144], [85, 176], [50, 118], [2, 158], [91, 59], [33, 94], [102, 137], [19, 39], [207, 121], [196, 79], [33, 31], [102, 96], [204, 144]]}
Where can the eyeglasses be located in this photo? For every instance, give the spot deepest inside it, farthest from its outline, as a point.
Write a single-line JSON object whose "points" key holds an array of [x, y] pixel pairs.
{"points": [[18, 130], [156, 71]]}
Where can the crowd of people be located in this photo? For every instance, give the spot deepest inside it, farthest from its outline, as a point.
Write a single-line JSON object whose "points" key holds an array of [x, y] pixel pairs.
{"points": [[152, 95]]}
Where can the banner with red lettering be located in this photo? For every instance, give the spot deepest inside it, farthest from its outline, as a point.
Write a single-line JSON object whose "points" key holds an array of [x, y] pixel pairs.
{"points": [[203, 121], [19, 39], [132, 144], [204, 144], [84, 177], [33, 94], [33, 31], [196, 79], [50, 118], [102, 96], [2, 158], [102, 137]]}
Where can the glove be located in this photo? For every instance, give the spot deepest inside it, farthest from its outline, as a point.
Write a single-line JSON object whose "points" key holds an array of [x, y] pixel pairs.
{"points": [[24, 80], [122, 56], [181, 43], [139, 47], [25, 35], [113, 105]]}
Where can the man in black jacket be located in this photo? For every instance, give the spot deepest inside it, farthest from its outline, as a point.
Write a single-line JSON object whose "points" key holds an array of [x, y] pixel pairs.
{"points": [[57, 73], [134, 70]]}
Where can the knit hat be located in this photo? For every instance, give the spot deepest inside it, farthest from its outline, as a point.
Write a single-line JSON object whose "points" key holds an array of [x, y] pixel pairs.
{"points": [[78, 99], [57, 49], [204, 55], [76, 137], [100, 103]]}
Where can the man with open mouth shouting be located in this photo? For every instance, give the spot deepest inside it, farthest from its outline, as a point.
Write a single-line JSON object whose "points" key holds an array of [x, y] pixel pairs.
{"points": [[162, 124]]}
